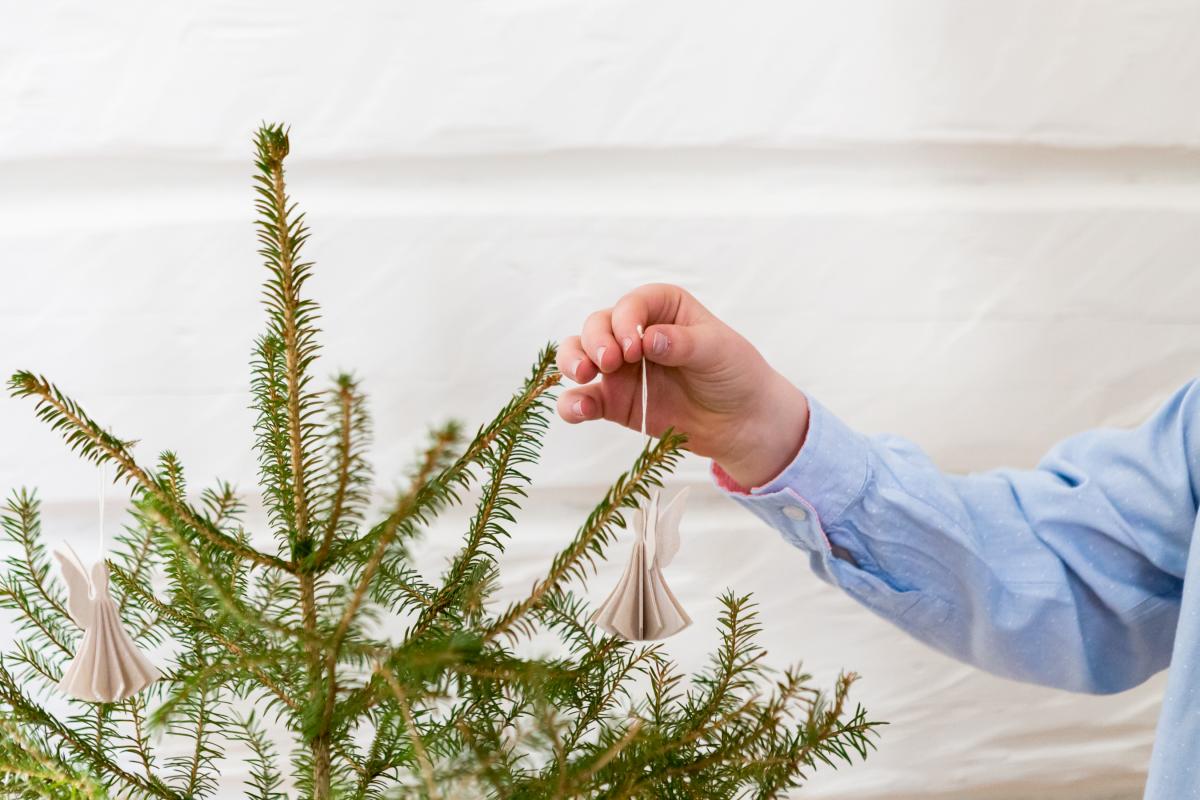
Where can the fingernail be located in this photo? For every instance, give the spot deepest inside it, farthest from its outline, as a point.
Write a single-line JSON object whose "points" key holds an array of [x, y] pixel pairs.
{"points": [[600, 357], [577, 408], [575, 368], [626, 343], [659, 344]]}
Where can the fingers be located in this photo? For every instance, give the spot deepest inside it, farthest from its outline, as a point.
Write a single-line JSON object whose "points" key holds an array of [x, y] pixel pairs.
{"points": [[598, 341], [678, 331], [581, 404], [574, 362], [645, 305]]}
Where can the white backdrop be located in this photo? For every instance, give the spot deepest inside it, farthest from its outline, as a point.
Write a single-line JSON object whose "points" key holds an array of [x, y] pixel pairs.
{"points": [[970, 222]]}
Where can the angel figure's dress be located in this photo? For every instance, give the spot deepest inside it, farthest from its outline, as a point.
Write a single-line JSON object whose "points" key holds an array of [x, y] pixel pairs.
{"points": [[107, 667], [642, 606]]}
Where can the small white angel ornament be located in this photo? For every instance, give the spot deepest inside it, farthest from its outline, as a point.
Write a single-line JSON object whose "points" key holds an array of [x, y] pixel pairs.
{"points": [[108, 667], [642, 607]]}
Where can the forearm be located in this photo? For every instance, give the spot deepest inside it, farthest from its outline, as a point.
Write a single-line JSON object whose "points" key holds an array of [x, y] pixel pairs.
{"points": [[1033, 574]]}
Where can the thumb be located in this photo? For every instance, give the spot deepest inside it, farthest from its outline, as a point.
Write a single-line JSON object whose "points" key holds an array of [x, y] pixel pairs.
{"points": [[687, 346]]}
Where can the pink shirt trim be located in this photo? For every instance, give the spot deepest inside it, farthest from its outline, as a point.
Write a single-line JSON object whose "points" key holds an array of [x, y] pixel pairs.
{"points": [[726, 481]]}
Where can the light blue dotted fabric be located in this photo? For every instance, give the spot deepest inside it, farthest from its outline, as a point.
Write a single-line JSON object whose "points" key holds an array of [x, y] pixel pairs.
{"points": [[1070, 574]]}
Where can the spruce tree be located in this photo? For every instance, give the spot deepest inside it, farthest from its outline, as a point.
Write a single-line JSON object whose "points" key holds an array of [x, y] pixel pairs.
{"points": [[281, 644]]}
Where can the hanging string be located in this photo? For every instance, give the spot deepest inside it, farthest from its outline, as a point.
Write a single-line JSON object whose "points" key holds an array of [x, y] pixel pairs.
{"points": [[645, 385]]}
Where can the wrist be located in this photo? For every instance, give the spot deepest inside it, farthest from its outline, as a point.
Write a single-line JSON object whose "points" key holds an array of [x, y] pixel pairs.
{"points": [[769, 436]]}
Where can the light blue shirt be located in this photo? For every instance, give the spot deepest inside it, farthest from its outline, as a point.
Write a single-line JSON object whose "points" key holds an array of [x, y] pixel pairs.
{"points": [[1070, 574]]}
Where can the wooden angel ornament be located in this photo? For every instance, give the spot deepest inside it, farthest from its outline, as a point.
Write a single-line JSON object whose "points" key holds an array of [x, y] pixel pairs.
{"points": [[642, 607], [108, 667]]}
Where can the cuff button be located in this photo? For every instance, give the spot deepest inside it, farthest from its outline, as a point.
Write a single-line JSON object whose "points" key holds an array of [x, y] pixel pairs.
{"points": [[795, 512]]}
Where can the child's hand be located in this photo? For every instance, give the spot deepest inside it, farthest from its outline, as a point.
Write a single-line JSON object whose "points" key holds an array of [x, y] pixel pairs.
{"points": [[712, 384]]}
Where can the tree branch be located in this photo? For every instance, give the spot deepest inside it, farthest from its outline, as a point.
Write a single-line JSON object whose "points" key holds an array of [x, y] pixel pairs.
{"points": [[96, 445]]}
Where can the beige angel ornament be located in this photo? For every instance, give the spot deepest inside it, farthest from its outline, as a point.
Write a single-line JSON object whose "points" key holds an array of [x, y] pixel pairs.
{"points": [[108, 667], [642, 607]]}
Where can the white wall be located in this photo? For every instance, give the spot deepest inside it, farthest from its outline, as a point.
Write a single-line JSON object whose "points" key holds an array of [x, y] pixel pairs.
{"points": [[973, 223]]}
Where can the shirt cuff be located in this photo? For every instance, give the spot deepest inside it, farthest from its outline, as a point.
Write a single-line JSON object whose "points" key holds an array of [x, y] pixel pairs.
{"points": [[812, 492]]}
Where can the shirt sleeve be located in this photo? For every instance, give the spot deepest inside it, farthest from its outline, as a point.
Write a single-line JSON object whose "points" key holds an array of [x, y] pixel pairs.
{"points": [[1069, 574]]}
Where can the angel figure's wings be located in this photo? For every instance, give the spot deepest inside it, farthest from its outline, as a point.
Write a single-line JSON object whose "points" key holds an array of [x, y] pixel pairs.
{"points": [[79, 588], [666, 529]]}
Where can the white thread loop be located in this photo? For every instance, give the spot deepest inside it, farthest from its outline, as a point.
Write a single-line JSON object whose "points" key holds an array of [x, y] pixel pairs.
{"points": [[645, 385]]}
